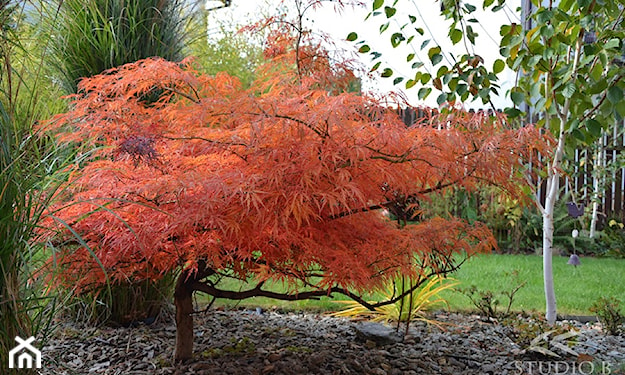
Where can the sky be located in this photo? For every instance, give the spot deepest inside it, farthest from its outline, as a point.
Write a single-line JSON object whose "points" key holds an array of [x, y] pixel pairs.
{"points": [[338, 25]]}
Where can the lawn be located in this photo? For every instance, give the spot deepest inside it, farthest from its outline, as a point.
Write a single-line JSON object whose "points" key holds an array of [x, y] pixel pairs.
{"points": [[576, 288]]}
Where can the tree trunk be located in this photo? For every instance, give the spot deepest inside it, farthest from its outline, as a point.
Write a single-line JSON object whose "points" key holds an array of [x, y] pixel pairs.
{"points": [[183, 299], [596, 175], [550, 294], [553, 189]]}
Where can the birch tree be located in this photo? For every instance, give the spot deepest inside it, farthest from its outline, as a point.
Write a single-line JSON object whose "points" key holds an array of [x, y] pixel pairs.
{"points": [[569, 60]]}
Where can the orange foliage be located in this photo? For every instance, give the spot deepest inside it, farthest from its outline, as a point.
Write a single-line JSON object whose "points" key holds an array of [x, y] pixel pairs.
{"points": [[282, 181]]}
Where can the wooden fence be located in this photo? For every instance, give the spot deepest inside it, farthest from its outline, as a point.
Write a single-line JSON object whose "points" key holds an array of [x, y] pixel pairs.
{"points": [[608, 154]]}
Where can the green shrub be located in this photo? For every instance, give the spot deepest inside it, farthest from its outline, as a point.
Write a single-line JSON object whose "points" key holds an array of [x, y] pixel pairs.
{"points": [[608, 311], [487, 302], [612, 239], [91, 36], [32, 169]]}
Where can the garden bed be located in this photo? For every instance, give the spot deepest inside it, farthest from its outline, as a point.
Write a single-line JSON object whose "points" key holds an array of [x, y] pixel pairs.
{"points": [[249, 342]]}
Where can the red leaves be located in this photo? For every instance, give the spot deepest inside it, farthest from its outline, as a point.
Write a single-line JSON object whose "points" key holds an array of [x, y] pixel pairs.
{"points": [[279, 185]]}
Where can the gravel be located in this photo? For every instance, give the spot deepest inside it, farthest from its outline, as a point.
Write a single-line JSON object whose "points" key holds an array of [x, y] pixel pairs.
{"points": [[251, 342]]}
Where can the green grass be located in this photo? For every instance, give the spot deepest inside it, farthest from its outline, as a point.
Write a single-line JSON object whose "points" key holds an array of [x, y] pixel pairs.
{"points": [[576, 288]]}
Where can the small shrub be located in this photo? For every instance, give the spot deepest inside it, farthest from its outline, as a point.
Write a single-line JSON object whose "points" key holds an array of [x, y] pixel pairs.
{"points": [[608, 310], [487, 302], [612, 239], [411, 307], [531, 330], [122, 303]]}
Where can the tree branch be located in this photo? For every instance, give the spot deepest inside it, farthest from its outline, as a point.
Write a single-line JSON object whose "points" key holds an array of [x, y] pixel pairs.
{"points": [[257, 291]]}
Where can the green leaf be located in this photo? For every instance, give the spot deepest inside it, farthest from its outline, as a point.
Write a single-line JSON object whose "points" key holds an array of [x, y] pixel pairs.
{"points": [[455, 35], [396, 39], [612, 43], [441, 99], [424, 92], [598, 87], [434, 51], [505, 30], [547, 31], [544, 16], [577, 134], [620, 108], [442, 71], [597, 71], [569, 90], [534, 60], [498, 66], [615, 94], [517, 98], [594, 127], [437, 58], [471, 35], [352, 36], [425, 78], [376, 66], [512, 112], [387, 72], [389, 11], [462, 89], [565, 4], [410, 83], [397, 80], [412, 18], [410, 57], [384, 27], [377, 4], [574, 125], [364, 49]]}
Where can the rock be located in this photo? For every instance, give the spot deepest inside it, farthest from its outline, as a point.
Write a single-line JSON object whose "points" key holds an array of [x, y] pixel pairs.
{"points": [[370, 344], [490, 369], [411, 339], [378, 333]]}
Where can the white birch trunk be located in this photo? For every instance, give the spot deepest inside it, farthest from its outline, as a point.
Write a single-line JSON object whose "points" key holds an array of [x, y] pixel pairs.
{"points": [[550, 293], [553, 189], [595, 186], [553, 181]]}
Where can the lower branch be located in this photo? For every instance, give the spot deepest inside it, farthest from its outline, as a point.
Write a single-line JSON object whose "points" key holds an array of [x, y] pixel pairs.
{"points": [[258, 291]]}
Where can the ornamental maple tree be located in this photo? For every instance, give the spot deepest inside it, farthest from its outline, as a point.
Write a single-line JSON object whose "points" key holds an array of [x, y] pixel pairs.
{"points": [[280, 182]]}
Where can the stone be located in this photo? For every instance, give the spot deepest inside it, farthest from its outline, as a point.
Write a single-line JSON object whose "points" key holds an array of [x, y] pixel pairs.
{"points": [[378, 333]]}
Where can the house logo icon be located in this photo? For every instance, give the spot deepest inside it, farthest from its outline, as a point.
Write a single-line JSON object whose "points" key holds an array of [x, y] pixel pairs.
{"points": [[25, 359]]}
